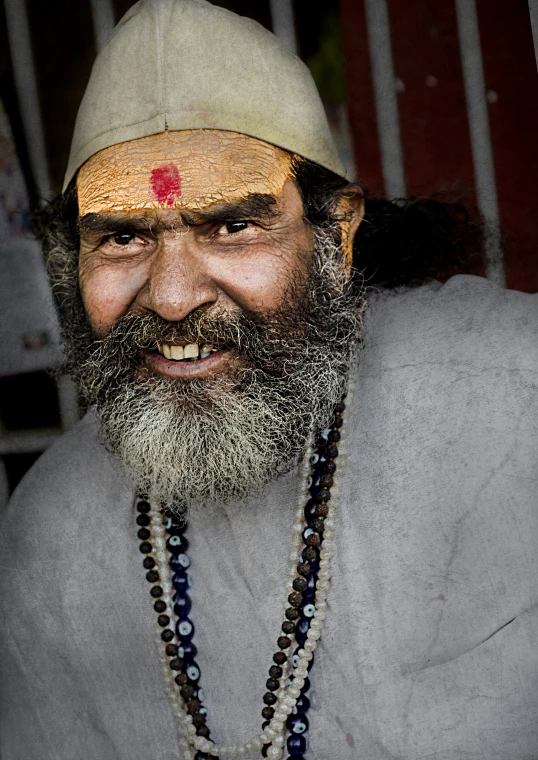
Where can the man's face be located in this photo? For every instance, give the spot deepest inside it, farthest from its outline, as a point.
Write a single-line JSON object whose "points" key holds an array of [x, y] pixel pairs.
{"points": [[196, 242], [224, 232]]}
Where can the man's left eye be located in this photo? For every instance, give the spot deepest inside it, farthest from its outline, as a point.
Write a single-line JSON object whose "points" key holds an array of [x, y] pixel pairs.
{"points": [[230, 227], [123, 238]]}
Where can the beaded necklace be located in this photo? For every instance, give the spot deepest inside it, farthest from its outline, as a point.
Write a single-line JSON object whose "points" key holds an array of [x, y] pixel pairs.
{"points": [[286, 704]]}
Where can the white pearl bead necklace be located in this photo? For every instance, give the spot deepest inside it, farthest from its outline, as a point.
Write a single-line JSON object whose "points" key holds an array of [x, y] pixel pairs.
{"points": [[287, 695]]}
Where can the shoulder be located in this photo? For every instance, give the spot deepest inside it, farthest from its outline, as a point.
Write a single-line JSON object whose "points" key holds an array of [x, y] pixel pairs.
{"points": [[69, 561], [65, 467], [447, 389], [66, 484], [468, 319], [443, 437]]}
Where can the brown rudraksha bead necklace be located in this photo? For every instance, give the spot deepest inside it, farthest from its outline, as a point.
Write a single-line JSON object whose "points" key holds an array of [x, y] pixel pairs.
{"points": [[164, 545]]}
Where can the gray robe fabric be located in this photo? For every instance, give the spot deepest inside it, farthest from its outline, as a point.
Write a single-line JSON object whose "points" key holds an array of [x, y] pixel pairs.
{"points": [[430, 650]]}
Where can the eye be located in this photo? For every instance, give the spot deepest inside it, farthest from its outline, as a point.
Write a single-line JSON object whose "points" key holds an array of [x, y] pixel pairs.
{"points": [[230, 227], [124, 238]]}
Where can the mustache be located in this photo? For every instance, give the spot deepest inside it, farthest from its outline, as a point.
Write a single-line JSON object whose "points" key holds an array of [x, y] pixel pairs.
{"points": [[264, 341], [136, 332]]}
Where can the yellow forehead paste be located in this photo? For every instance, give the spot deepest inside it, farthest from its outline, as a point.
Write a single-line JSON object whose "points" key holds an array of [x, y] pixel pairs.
{"points": [[189, 169]]}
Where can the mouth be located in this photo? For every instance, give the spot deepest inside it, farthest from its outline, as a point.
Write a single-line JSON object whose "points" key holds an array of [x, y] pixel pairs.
{"points": [[187, 361]]}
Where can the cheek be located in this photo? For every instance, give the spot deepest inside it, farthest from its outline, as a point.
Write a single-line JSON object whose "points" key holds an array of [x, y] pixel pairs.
{"points": [[108, 292], [254, 285], [258, 281]]}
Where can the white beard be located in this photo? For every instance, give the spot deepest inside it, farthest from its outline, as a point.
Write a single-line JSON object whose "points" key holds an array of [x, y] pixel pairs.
{"points": [[230, 448]]}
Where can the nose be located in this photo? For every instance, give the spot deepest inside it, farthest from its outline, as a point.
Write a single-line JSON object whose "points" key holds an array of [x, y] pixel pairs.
{"points": [[178, 281]]}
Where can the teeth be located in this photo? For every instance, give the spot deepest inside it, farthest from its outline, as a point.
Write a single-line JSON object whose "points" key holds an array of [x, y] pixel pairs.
{"points": [[191, 351]]}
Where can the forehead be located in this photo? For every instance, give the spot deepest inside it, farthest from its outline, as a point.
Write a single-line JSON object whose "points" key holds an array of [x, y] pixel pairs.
{"points": [[191, 170]]}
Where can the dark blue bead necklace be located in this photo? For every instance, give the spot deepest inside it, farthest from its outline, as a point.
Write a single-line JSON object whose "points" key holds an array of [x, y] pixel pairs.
{"points": [[179, 647]]}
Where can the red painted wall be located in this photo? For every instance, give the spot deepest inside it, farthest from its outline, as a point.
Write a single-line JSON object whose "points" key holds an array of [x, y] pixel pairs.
{"points": [[433, 114]]}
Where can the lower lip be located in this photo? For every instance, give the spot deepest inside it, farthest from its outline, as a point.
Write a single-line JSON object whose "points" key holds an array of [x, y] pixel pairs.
{"points": [[188, 370]]}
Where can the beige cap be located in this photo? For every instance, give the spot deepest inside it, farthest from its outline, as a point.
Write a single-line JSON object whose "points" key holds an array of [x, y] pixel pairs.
{"points": [[187, 64]]}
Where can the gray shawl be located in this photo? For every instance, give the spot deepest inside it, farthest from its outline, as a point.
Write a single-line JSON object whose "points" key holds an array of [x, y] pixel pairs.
{"points": [[430, 650]]}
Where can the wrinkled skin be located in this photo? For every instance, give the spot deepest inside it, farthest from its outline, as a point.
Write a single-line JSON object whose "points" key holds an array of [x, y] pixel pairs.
{"points": [[205, 166]]}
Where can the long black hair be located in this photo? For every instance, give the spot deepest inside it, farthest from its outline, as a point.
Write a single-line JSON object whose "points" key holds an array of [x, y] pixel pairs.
{"points": [[401, 241]]}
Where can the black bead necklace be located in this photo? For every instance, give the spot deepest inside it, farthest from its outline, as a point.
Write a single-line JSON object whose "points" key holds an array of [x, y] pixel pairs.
{"points": [[306, 604]]}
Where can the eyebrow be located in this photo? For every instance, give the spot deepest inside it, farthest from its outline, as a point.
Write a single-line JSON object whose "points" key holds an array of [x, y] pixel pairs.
{"points": [[253, 206]]}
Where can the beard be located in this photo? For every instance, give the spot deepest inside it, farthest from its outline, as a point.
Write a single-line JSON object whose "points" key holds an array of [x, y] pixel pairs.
{"points": [[223, 437]]}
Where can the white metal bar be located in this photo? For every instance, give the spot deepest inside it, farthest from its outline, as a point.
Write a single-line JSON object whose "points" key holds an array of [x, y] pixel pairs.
{"points": [[477, 109], [283, 23], [25, 83], [533, 10], [67, 397], [103, 21], [4, 485], [28, 441], [386, 102]]}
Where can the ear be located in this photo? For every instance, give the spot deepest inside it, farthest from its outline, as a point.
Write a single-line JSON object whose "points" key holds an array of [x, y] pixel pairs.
{"points": [[349, 211]]}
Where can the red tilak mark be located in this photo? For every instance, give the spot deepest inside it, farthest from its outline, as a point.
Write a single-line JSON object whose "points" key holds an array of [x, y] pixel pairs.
{"points": [[166, 184]]}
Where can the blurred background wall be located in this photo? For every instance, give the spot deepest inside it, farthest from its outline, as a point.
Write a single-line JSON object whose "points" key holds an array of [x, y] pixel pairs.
{"points": [[425, 97]]}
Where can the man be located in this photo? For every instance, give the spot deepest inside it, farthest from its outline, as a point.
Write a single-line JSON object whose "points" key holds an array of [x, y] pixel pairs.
{"points": [[201, 259]]}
